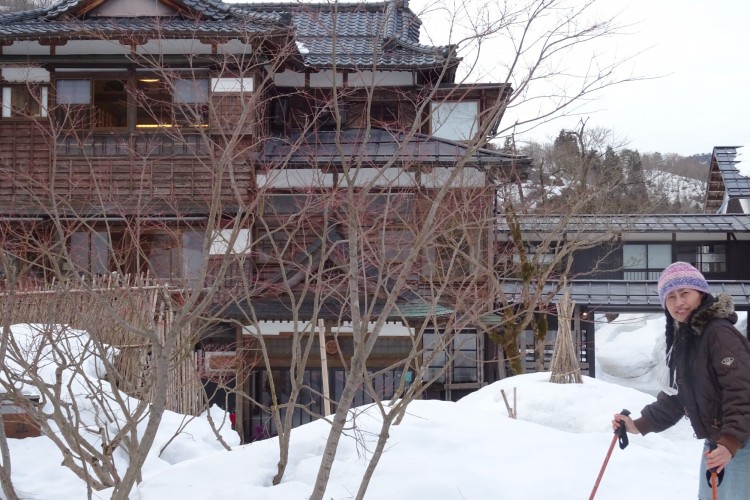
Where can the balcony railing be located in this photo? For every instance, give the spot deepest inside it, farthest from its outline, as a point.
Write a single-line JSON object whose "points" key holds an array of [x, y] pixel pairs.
{"points": [[145, 145]]}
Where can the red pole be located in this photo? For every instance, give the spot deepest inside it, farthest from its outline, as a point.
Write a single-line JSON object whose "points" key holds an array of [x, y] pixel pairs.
{"points": [[714, 486], [604, 466]]}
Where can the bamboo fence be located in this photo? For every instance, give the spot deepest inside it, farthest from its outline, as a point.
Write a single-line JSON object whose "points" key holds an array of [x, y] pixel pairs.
{"points": [[115, 311]]}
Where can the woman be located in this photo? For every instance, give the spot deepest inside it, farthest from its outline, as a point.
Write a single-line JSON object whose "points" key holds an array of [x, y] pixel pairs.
{"points": [[709, 370]]}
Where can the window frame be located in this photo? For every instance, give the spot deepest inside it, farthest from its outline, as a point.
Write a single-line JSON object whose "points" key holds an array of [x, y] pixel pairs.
{"points": [[37, 93], [699, 255], [189, 112], [651, 270]]}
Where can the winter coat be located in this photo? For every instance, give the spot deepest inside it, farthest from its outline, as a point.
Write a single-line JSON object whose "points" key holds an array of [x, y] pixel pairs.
{"points": [[711, 360]]}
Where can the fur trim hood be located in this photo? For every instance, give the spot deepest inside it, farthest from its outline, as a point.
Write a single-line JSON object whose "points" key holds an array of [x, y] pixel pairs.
{"points": [[719, 307]]}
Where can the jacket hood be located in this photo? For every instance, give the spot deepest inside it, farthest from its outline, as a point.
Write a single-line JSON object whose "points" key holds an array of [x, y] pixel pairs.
{"points": [[719, 307]]}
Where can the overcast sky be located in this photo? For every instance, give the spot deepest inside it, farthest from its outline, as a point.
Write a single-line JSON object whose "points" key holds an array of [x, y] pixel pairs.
{"points": [[696, 57], [696, 52]]}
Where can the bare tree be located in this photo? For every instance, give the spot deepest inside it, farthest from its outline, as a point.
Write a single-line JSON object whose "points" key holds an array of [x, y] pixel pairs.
{"points": [[308, 222]]}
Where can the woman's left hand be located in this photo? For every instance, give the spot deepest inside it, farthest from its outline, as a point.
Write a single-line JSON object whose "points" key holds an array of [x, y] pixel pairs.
{"points": [[718, 458]]}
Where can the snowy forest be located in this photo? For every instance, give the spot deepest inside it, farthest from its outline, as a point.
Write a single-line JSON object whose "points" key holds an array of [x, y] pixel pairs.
{"points": [[615, 178]]}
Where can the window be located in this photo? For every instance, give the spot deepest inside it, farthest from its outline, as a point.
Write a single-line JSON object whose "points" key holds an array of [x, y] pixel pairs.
{"points": [[397, 244], [28, 252], [191, 103], [457, 121], [146, 102], [220, 243], [284, 204], [183, 103], [73, 92], [645, 261], [175, 255], [90, 252], [110, 103], [543, 252], [231, 85], [462, 348], [21, 101], [708, 259], [393, 205]]}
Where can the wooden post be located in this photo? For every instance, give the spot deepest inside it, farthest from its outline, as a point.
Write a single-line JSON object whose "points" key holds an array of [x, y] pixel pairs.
{"points": [[241, 404], [324, 368]]}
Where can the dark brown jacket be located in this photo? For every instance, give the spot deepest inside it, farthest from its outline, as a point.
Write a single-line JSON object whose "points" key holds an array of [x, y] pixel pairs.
{"points": [[712, 378]]}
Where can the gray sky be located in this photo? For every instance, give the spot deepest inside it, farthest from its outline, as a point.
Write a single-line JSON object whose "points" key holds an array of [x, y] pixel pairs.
{"points": [[695, 50], [696, 56]]}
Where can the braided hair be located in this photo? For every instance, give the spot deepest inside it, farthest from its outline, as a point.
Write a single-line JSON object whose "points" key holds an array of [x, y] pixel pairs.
{"points": [[669, 336]]}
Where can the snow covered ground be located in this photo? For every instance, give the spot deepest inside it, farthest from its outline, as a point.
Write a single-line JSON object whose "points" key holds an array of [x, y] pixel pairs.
{"points": [[470, 449]]}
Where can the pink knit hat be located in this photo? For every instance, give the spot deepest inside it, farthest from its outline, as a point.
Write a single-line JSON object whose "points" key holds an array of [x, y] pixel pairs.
{"points": [[680, 275]]}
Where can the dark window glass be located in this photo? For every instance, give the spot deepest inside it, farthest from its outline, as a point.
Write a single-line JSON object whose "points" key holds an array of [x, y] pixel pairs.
{"points": [[708, 259]]}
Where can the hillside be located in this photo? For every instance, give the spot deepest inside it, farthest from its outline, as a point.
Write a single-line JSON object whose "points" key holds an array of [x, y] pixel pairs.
{"points": [[613, 181], [677, 190]]}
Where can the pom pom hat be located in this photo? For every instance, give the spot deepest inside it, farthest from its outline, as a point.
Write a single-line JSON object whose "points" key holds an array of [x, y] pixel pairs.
{"points": [[680, 275]]}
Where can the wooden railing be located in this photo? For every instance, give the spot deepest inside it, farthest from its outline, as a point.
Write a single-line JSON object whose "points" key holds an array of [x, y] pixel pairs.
{"points": [[114, 174]]}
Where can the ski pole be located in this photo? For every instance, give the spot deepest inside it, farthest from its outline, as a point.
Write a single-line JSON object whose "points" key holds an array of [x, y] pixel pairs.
{"points": [[714, 486], [713, 478], [621, 434]]}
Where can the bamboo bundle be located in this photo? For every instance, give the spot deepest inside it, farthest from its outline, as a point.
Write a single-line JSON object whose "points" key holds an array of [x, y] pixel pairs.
{"points": [[564, 366]]}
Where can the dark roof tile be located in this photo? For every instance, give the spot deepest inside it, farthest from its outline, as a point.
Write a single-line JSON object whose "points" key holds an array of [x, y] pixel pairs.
{"points": [[632, 223], [385, 34], [378, 146], [619, 295], [128, 25]]}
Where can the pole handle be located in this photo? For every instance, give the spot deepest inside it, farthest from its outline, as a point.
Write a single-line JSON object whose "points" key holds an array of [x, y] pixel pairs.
{"points": [[711, 474], [622, 433]]}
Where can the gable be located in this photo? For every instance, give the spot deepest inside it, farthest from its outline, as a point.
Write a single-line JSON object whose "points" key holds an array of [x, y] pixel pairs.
{"points": [[132, 8]]}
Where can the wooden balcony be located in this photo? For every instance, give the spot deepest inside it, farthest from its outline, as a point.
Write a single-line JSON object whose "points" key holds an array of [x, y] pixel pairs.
{"points": [[113, 174]]}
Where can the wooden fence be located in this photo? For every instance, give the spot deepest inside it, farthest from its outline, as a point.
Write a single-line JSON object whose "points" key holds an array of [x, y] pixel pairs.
{"points": [[117, 311]]}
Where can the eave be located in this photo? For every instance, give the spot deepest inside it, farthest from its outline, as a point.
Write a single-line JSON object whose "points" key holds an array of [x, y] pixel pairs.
{"points": [[119, 60]]}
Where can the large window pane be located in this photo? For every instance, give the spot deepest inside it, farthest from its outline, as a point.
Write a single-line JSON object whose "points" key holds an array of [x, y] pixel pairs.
{"points": [[659, 256], [163, 254], [232, 241], [90, 252], [190, 91], [645, 261], [192, 255], [231, 85], [73, 91], [634, 256], [191, 103], [455, 120], [153, 103], [466, 356], [110, 104]]}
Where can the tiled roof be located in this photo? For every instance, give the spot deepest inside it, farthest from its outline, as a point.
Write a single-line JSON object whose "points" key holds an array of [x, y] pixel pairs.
{"points": [[209, 9], [215, 17], [174, 27], [349, 35], [379, 146], [616, 295], [724, 178], [384, 33], [636, 223]]}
